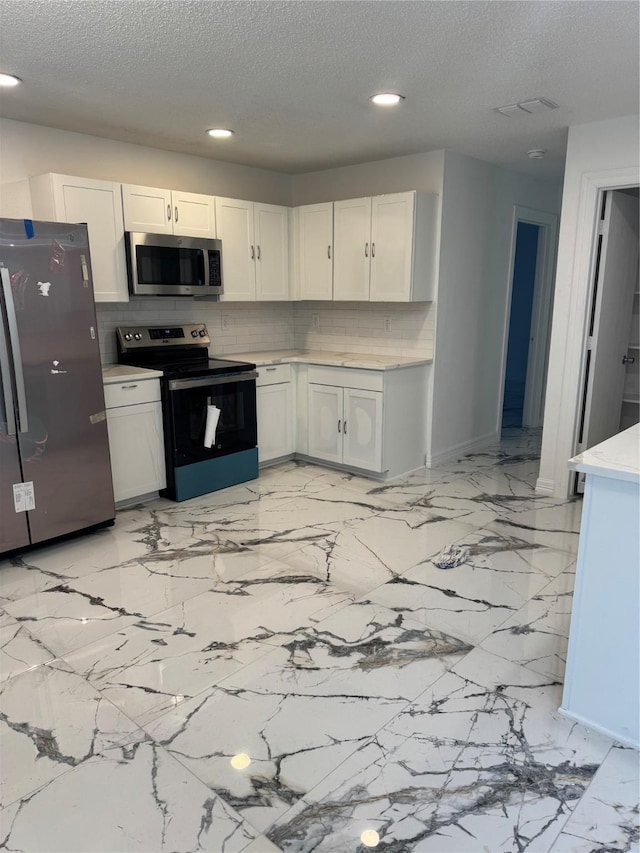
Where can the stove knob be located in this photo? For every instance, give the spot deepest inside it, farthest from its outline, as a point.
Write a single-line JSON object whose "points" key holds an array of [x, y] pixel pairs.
{"points": [[127, 336], [138, 336], [202, 332], [194, 333]]}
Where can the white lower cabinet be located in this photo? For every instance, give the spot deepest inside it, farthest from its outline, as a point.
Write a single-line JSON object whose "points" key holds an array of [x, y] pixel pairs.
{"points": [[274, 400], [345, 426], [136, 442], [371, 420]]}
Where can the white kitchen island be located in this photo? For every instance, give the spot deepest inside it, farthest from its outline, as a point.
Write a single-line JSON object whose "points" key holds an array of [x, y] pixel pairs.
{"points": [[602, 685]]}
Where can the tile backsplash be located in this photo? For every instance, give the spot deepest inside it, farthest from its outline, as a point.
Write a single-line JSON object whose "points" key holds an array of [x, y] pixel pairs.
{"points": [[362, 327], [379, 328]]}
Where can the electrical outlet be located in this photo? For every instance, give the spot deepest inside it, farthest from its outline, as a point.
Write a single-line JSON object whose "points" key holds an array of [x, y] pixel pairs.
{"points": [[387, 324], [225, 322], [315, 321]]}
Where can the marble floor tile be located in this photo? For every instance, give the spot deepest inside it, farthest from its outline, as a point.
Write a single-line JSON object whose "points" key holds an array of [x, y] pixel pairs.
{"points": [[548, 523], [465, 767], [472, 599], [300, 711], [51, 721], [19, 650], [536, 636], [300, 623], [138, 799], [154, 664], [608, 814]]}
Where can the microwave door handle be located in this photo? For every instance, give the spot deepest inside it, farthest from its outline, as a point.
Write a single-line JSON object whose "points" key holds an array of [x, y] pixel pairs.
{"points": [[5, 378], [205, 259], [14, 340]]}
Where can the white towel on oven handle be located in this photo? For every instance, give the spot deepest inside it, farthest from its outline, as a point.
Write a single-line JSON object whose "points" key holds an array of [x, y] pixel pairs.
{"points": [[213, 415]]}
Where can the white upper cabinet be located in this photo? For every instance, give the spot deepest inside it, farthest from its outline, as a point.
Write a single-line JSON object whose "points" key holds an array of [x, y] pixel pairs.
{"points": [[403, 227], [255, 250], [159, 211], [383, 248], [62, 198], [271, 223], [352, 249], [315, 251]]}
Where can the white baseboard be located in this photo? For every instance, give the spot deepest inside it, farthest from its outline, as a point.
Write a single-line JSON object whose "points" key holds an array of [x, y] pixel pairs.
{"points": [[545, 487], [464, 447]]}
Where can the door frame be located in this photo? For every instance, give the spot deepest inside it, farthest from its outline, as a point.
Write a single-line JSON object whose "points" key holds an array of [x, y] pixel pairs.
{"points": [[559, 446], [541, 311]]}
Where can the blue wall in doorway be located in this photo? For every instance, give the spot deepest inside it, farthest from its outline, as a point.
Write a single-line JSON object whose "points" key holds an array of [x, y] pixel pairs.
{"points": [[524, 276]]}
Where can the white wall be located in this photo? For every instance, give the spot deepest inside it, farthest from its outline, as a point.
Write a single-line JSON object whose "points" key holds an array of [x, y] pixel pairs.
{"points": [[477, 212], [600, 155], [30, 149]]}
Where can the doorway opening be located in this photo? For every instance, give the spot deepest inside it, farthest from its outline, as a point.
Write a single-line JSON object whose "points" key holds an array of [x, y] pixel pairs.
{"points": [[528, 319], [610, 394], [522, 287]]}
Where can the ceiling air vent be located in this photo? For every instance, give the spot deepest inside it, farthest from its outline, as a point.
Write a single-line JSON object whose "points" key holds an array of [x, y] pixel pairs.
{"points": [[536, 105]]}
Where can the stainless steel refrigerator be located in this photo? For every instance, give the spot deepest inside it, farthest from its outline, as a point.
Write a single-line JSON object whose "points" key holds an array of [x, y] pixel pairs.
{"points": [[55, 470]]}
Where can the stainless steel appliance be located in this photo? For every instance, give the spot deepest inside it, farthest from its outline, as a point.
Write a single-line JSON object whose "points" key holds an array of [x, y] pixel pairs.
{"points": [[55, 471], [168, 265], [200, 456]]}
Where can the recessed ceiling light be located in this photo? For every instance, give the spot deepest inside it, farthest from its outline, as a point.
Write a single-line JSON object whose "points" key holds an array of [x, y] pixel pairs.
{"points": [[220, 132], [386, 99], [536, 153], [9, 80]]}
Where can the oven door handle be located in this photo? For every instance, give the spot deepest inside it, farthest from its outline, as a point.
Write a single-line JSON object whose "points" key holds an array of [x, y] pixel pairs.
{"points": [[204, 381]]}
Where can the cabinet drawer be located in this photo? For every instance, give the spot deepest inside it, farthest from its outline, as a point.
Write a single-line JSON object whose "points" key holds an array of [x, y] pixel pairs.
{"points": [[346, 377], [273, 374], [131, 393]]}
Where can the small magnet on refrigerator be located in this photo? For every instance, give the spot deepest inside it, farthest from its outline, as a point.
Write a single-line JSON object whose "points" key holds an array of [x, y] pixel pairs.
{"points": [[44, 287], [28, 228]]}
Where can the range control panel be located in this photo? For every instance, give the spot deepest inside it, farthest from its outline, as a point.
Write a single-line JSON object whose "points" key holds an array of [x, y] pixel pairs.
{"points": [[146, 337]]}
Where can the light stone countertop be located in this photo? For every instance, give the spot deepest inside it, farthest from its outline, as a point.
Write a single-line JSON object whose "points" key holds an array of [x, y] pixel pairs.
{"points": [[618, 457], [333, 359], [112, 373]]}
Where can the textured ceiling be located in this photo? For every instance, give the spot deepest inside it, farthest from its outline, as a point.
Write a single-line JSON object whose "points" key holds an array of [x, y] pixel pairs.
{"points": [[293, 78]]}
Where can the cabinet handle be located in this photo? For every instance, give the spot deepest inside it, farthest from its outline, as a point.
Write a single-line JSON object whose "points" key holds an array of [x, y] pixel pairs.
{"points": [[168, 213], [253, 254], [127, 387], [339, 426], [373, 250], [628, 359], [176, 212], [344, 428], [366, 250], [270, 368], [258, 252], [329, 252]]}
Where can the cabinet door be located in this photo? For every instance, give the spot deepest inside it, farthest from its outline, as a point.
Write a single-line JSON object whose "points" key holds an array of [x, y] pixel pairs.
{"points": [[234, 220], [362, 429], [325, 422], [392, 220], [315, 248], [272, 251], [98, 203], [147, 209], [194, 215], [275, 434], [352, 249], [137, 450]]}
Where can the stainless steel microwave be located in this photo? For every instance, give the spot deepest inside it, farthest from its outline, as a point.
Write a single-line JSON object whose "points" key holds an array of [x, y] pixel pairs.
{"points": [[168, 265]]}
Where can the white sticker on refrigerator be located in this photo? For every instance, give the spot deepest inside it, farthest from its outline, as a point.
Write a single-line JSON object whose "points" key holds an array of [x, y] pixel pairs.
{"points": [[24, 498]]}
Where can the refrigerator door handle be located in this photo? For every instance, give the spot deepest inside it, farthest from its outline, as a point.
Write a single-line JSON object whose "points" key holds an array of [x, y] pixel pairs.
{"points": [[15, 350], [7, 383]]}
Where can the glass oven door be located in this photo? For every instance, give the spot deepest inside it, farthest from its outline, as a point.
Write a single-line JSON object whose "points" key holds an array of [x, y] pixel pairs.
{"points": [[188, 400]]}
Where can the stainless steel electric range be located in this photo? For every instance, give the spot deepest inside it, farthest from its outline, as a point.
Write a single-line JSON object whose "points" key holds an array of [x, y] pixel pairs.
{"points": [[208, 407]]}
